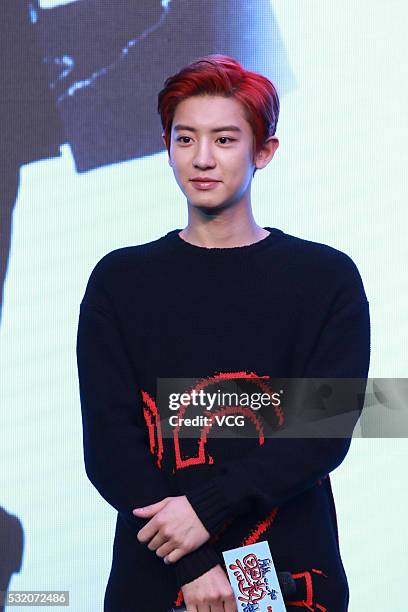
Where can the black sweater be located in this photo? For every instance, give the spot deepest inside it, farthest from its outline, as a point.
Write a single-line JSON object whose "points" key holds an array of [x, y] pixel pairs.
{"points": [[280, 307]]}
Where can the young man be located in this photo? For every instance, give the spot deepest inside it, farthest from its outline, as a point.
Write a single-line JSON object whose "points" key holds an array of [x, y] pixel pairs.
{"points": [[221, 299]]}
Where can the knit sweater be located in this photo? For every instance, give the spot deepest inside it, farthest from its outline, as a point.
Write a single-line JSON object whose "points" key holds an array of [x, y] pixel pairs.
{"points": [[280, 307]]}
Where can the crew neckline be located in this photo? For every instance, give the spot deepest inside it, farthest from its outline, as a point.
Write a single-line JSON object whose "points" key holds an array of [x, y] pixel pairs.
{"points": [[182, 245]]}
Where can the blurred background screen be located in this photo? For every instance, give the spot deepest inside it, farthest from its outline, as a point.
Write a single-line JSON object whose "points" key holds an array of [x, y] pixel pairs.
{"points": [[83, 171]]}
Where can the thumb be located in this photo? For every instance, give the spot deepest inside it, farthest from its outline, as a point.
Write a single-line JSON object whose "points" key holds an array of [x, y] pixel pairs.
{"points": [[152, 509]]}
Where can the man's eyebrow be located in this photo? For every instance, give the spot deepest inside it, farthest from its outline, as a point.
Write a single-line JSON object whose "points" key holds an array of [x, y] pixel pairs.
{"points": [[226, 128]]}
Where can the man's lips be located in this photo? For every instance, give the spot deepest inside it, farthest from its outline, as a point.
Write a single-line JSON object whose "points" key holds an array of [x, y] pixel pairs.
{"points": [[204, 184]]}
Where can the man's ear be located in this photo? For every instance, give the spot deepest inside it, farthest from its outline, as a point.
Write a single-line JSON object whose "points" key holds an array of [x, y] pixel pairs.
{"points": [[164, 139], [268, 151], [165, 144]]}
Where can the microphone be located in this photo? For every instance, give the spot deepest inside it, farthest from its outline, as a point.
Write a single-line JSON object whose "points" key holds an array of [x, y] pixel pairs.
{"points": [[286, 583]]}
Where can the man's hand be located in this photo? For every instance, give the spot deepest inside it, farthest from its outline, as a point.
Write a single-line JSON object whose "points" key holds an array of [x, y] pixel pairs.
{"points": [[174, 530], [211, 591]]}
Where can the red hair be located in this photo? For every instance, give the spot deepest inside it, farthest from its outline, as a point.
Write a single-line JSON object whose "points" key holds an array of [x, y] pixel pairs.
{"points": [[223, 76]]}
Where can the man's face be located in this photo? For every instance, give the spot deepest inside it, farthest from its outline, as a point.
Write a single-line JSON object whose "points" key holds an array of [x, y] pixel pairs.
{"points": [[225, 155]]}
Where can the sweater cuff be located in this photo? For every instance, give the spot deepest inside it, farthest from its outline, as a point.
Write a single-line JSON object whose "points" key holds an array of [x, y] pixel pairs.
{"points": [[210, 505], [196, 563]]}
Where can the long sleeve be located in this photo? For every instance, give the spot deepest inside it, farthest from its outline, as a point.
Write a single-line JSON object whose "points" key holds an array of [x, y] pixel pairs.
{"points": [[116, 454], [281, 468]]}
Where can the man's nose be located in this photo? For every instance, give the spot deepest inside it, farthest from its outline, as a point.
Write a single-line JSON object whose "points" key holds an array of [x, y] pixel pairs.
{"points": [[204, 155]]}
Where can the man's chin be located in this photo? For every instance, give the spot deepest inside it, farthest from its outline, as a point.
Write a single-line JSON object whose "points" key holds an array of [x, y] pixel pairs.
{"points": [[208, 206]]}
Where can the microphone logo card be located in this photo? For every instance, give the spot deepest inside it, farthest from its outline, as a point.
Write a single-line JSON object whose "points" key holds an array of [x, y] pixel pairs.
{"points": [[253, 578]]}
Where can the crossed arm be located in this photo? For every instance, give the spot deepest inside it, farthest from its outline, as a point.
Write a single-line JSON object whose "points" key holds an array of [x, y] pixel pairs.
{"points": [[174, 528]]}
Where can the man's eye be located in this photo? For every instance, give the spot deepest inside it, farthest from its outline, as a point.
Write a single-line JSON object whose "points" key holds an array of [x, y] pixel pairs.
{"points": [[220, 138]]}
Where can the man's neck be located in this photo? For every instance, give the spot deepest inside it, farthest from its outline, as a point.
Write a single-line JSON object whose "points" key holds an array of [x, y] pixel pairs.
{"points": [[224, 237]]}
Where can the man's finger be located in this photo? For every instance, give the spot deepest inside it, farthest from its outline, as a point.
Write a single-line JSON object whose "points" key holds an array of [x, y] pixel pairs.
{"points": [[174, 556], [164, 550], [148, 531], [152, 509], [156, 542]]}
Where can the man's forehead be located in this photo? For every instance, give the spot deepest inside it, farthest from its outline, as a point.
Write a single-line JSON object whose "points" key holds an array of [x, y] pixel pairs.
{"points": [[225, 114]]}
